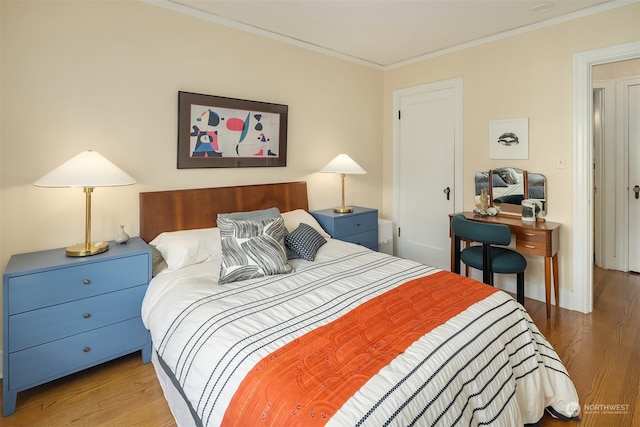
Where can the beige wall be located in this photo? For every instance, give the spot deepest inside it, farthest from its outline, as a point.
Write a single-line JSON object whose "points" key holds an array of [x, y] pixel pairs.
{"points": [[105, 75], [616, 70], [528, 75]]}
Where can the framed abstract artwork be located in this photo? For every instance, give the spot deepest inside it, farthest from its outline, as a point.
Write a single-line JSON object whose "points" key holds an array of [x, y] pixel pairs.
{"points": [[509, 139], [219, 132]]}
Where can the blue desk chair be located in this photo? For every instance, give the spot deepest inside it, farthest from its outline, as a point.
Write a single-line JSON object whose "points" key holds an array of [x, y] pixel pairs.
{"points": [[487, 257]]}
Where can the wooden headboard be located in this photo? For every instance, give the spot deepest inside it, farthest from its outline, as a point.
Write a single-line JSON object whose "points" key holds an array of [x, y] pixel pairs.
{"points": [[198, 208]]}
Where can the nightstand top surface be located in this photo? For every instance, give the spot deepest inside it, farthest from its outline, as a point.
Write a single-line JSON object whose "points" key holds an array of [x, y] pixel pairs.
{"points": [[356, 210], [35, 261]]}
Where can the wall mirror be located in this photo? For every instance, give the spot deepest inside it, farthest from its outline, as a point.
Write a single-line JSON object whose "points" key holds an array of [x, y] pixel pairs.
{"points": [[508, 187]]}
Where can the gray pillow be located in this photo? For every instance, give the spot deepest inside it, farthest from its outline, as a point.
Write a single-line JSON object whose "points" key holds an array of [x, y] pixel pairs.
{"points": [[252, 215], [157, 261], [260, 214], [252, 248]]}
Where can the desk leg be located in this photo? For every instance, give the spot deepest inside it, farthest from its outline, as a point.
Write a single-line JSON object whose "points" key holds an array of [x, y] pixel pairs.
{"points": [[547, 284], [556, 283]]}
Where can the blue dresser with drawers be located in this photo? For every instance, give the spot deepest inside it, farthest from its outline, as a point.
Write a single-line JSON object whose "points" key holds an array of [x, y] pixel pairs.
{"points": [[359, 226], [64, 314]]}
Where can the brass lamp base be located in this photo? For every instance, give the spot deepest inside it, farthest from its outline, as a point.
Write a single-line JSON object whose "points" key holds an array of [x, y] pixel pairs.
{"points": [[343, 209], [83, 249], [88, 247]]}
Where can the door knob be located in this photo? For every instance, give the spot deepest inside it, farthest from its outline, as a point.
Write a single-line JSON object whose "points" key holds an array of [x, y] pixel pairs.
{"points": [[636, 190], [447, 191]]}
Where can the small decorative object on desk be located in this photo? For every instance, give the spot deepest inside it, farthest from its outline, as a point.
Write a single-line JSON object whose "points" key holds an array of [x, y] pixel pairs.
{"points": [[530, 209], [484, 200], [492, 211], [485, 209], [122, 236]]}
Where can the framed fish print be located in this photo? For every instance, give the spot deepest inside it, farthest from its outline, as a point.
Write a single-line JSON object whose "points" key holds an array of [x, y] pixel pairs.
{"points": [[509, 139], [220, 132]]}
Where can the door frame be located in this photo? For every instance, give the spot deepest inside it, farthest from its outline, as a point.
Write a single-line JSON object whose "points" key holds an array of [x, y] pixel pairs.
{"points": [[457, 86], [583, 173]]}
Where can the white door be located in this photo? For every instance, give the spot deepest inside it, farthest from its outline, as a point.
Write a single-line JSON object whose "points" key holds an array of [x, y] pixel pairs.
{"points": [[427, 171], [633, 127]]}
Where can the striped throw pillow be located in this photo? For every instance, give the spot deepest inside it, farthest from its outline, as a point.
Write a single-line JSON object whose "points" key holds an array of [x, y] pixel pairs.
{"points": [[252, 248]]}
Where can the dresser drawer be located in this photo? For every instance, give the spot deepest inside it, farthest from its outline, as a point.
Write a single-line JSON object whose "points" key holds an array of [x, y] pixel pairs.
{"points": [[359, 226], [367, 239], [354, 224], [532, 242], [48, 361], [32, 291], [36, 327]]}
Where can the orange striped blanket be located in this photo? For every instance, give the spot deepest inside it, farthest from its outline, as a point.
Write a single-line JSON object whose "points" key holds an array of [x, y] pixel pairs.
{"points": [[306, 381]]}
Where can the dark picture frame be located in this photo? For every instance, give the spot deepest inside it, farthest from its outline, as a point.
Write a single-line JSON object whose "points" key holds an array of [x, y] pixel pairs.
{"points": [[220, 132]]}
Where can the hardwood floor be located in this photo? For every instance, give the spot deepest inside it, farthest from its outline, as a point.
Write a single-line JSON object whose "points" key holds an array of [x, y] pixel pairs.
{"points": [[601, 352], [123, 392]]}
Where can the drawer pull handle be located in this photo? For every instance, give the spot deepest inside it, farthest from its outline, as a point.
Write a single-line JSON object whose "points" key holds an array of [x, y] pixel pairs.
{"points": [[86, 349], [86, 281], [529, 246], [529, 234], [86, 315]]}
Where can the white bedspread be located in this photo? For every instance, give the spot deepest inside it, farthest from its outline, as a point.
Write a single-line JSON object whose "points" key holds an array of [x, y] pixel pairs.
{"points": [[487, 365]]}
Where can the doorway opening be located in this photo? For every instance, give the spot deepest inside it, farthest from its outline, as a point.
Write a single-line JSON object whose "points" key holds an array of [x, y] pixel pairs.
{"points": [[615, 140], [583, 182]]}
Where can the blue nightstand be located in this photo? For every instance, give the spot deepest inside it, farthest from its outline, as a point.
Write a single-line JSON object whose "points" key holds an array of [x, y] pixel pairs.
{"points": [[65, 314], [359, 226]]}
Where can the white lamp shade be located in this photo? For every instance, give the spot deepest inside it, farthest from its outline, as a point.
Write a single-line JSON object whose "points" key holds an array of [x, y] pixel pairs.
{"points": [[86, 170], [343, 164]]}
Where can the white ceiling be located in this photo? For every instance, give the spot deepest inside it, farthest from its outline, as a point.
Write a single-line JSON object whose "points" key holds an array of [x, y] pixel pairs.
{"points": [[384, 33]]}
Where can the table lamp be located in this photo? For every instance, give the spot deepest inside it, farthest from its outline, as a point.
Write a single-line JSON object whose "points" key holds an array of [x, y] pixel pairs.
{"points": [[87, 170], [344, 165]]}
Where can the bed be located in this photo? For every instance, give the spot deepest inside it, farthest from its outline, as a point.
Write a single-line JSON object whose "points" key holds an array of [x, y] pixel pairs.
{"points": [[335, 334]]}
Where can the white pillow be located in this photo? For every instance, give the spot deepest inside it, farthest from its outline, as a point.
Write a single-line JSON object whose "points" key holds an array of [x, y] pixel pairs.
{"points": [[186, 247], [292, 220]]}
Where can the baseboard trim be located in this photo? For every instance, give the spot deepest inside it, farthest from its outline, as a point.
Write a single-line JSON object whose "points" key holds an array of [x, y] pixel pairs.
{"points": [[532, 290]]}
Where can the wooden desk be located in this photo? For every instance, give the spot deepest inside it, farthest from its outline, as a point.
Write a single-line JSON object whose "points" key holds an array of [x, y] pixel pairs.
{"points": [[532, 238]]}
